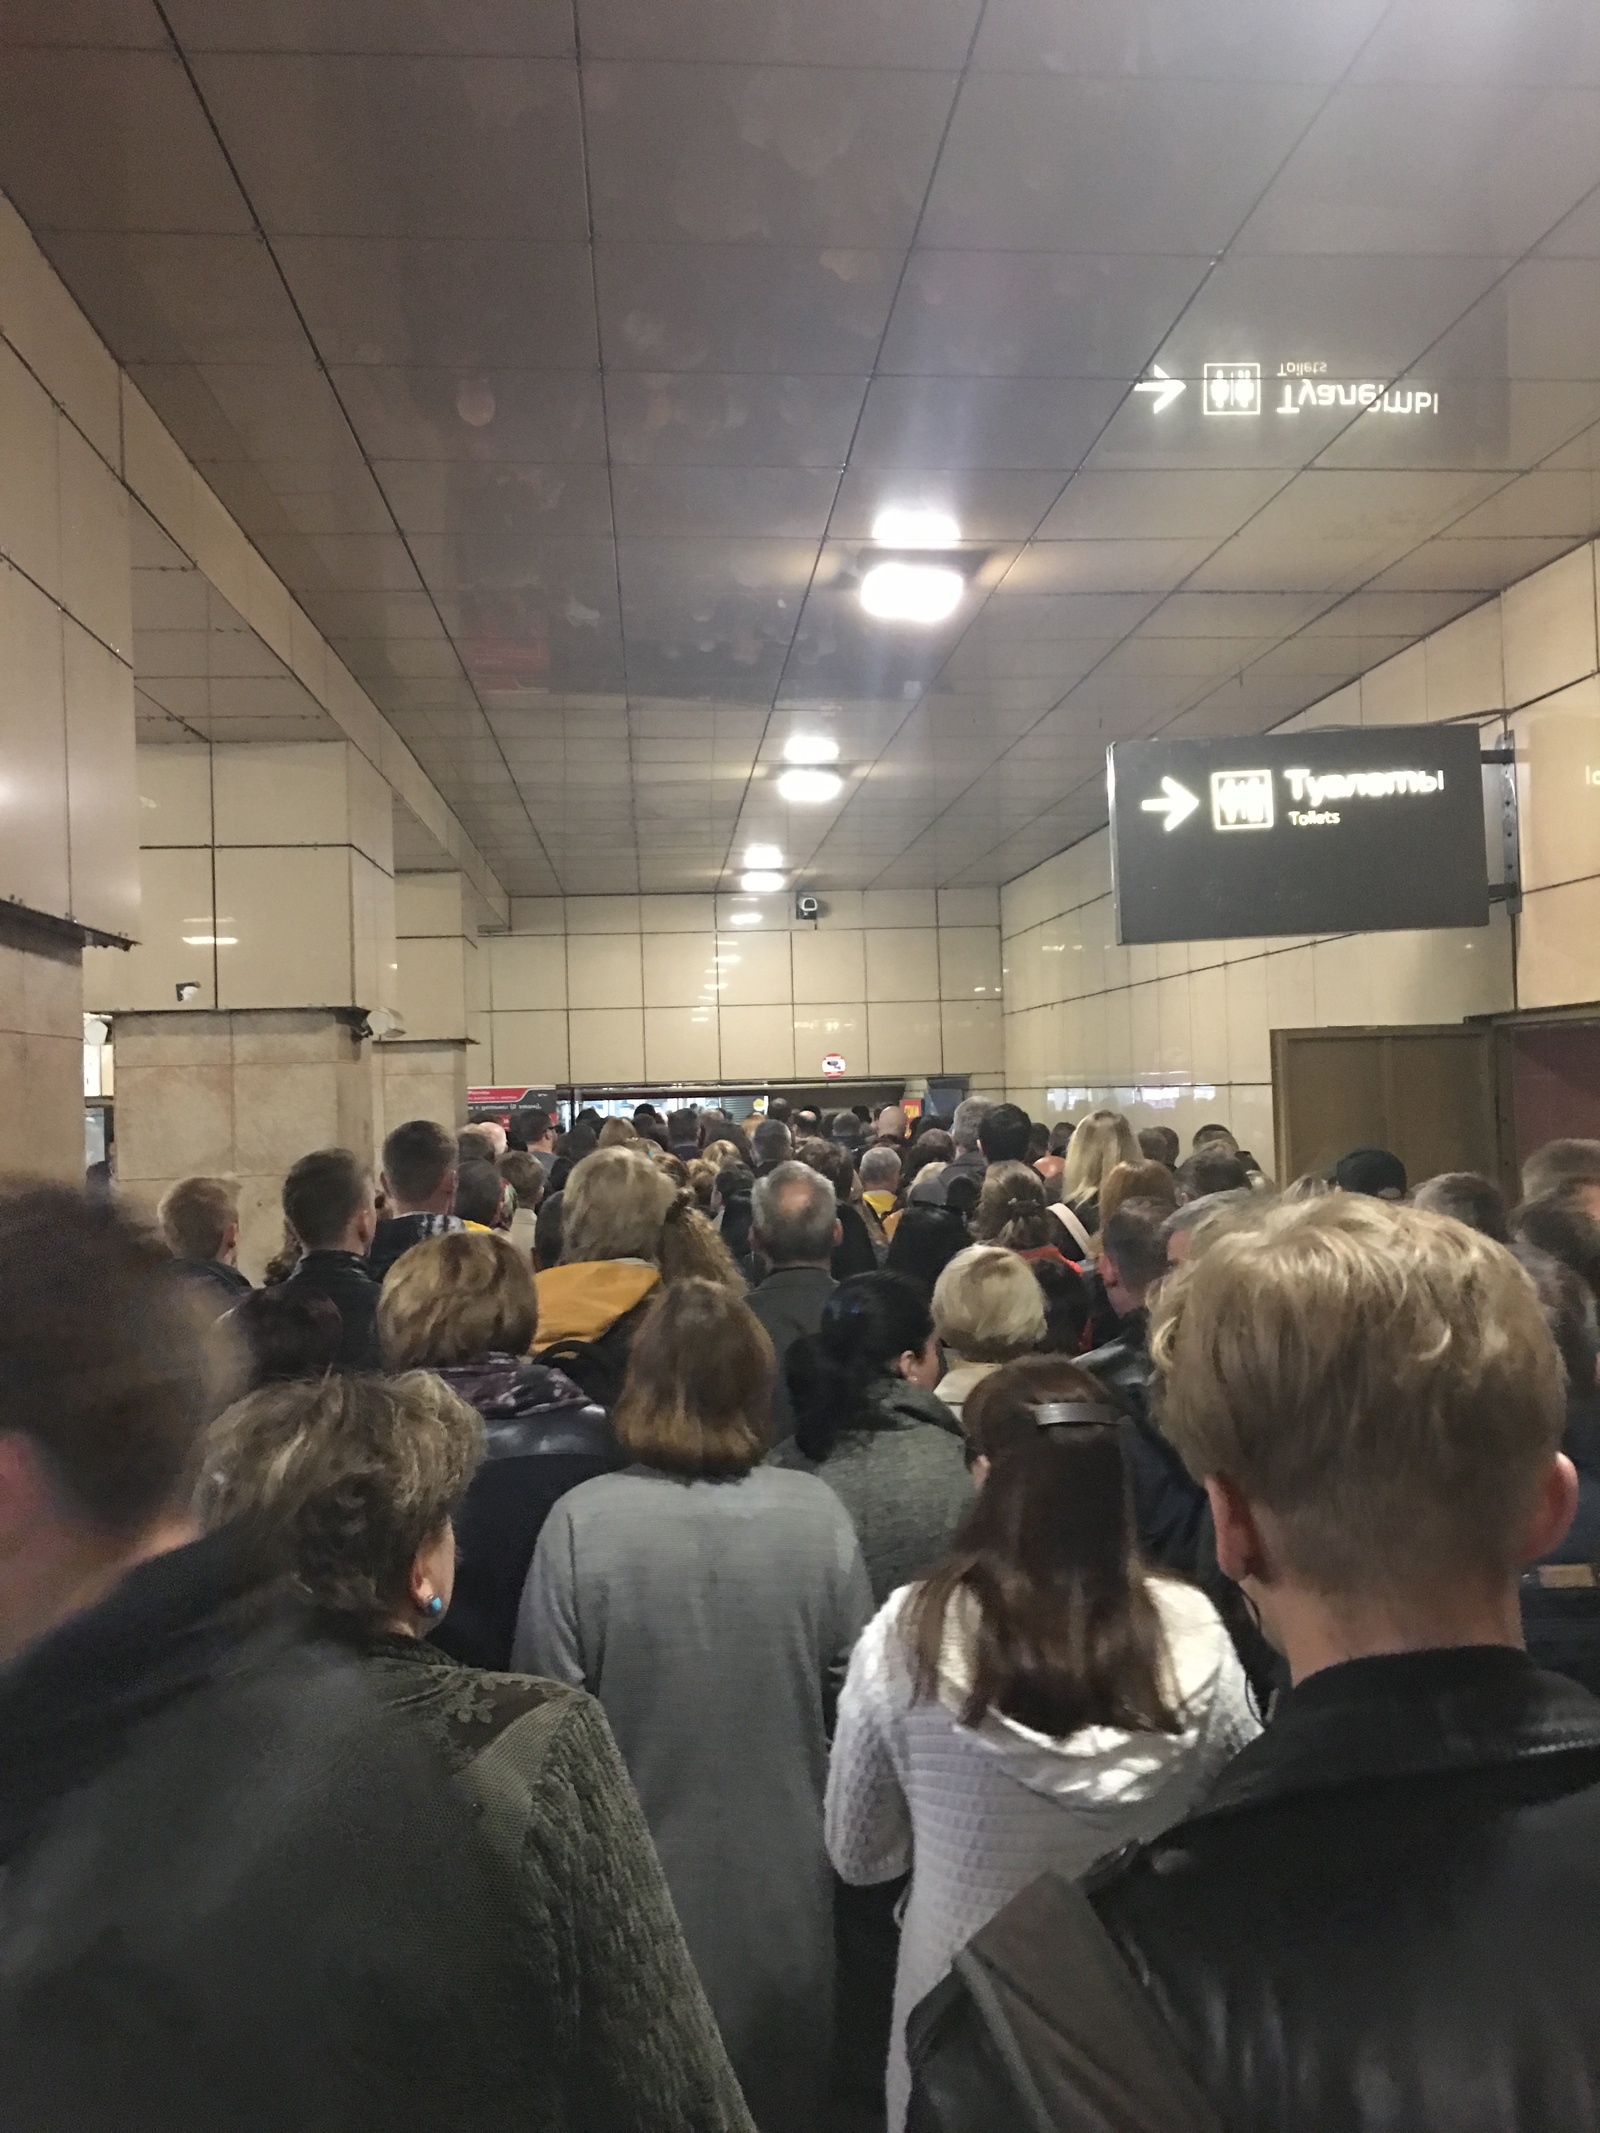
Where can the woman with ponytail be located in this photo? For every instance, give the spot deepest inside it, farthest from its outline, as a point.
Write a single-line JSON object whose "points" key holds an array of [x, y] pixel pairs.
{"points": [[1036, 1700], [867, 1422]]}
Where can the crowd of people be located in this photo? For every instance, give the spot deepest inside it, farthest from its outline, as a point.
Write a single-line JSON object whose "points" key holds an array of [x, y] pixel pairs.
{"points": [[923, 1624]]}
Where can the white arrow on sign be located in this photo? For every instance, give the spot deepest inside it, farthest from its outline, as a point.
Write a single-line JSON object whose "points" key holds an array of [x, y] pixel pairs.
{"points": [[1176, 802], [1166, 390]]}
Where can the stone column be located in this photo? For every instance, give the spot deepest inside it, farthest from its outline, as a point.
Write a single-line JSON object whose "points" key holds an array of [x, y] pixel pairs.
{"points": [[41, 1048]]}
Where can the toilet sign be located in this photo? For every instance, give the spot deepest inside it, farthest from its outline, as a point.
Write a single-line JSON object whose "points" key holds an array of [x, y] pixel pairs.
{"points": [[1352, 830], [833, 1066]]}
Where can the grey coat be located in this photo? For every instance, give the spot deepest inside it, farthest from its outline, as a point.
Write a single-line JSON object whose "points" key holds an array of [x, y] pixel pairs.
{"points": [[789, 1304], [903, 1480], [714, 1621]]}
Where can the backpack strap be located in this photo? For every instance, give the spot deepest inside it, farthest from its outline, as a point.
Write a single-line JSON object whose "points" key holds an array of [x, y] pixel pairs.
{"points": [[1074, 1228]]}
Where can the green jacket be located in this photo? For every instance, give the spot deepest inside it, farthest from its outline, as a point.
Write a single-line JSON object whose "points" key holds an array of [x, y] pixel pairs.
{"points": [[632, 2045]]}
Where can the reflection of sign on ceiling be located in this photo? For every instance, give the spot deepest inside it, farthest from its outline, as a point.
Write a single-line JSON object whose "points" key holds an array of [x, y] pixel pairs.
{"points": [[1233, 389], [1236, 389]]}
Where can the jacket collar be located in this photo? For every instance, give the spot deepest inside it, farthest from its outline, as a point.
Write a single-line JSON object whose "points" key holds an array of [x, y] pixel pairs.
{"points": [[325, 1260], [812, 1276], [1409, 1714]]}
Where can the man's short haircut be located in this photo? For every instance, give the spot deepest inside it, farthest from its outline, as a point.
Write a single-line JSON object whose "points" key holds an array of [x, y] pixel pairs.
{"points": [[1554, 1224], [323, 1194], [1468, 1197], [1208, 1171], [525, 1174], [1134, 1240], [476, 1143], [479, 1193], [417, 1157], [104, 1365], [880, 1169], [970, 1115], [847, 1130], [1557, 1163], [1205, 1134], [196, 1215], [793, 1210], [1381, 1381], [534, 1125], [778, 1109], [1003, 1134], [683, 1126], [1159, 1144], [770, 1141], [987, 1307]]}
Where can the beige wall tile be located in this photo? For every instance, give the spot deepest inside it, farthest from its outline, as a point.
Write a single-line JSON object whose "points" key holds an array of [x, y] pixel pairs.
{"points": [[607, 1044], [33, 750], [96, 556], [1558, 960], [680, 968], [1175, 1053], [1291, 992], [30, 479], [1209, 1005], [284, 795], [969, 962], [1464, 667], [526, 971], [677, 914], [433, 987], [1558, 779], [602, 914], [1117, 1009], [288, 914], [904, 1037], [971, 1036], [1549, 627], [899, 907], [829, 966], [429, 904], [605, 971], [1249, 1047], [761, 975], [1144, 1031], [174, 795], [902, 963], [529, 1046], [1341, 972], [1172, 958], [757, 1043], [174, 902], [680, 1044], [969, 907], [102, 786], [832, 1026]]}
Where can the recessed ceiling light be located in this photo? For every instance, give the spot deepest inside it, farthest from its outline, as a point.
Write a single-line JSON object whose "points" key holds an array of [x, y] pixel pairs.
{"points": [[809, 788], [914, 526], [762, 855], [762, 884], [810, 748], [912, 592]]}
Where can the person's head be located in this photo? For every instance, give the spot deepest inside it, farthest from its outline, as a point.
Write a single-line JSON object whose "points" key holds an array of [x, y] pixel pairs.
{"points": [[547, 1231], [1063, 1631], [1012, 1209], [701, 1179], [932, 1146], [725, 1143], [892, 1123], [697, 1399], [1208, 1171], [1574, 1163], [1061, 1136], [1038, 1141], [455, 1299], [480, 1193], [1004, 1133], [287, 1332], [1557, 1223], [419, 1168], [1099, 1142], [880, 1170], [525, 1175], [617, 1133], [1133, 1253], [353, 1482], [987, 1306], [1375, 1405], [1066, 1304], [619, 1205], [1194, 1220], [683, 1127], [734, 1182], [873, 1327], [803, 1122], [107, 1381], [1467, 1197], [1159, 1144], [646, 1114], [926, 1239], [1215, 1137], [778, 1108], [328, 1201], [538, 1130], [795, 1216], [1377, 1173], [770, 1143], [969, 1116], [829, 1160], [588, 1117], [199, 1219], [476, 1144], [1568, 1304], [847, 1131], [1137, 1181]]}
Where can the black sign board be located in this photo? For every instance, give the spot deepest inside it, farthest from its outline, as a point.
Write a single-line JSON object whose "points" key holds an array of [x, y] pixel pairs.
{"points": [[1353, 830]]}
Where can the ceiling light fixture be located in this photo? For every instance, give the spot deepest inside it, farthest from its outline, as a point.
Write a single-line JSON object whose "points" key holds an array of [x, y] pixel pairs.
{"points": [[809, 788], [912, 592], [810, 748], [761, 883], [762, 855], [915, 526]]}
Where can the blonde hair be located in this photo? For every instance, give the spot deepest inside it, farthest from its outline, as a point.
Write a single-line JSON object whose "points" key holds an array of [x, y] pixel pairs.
{"points": [[616, 1133], [1099, 1141], [195, 1216], [702, 1180], [450, 1299], [619, 1205], [987, 1305], [346, 1479], [697, 1399], [1379, 1379]]}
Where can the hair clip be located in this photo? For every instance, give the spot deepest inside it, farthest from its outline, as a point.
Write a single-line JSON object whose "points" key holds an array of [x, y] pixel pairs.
{"points": [[1072, 1414]]}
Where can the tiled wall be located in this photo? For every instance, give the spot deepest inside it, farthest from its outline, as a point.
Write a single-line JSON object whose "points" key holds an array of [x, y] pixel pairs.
{"points": [[443, 969], [687, 988], [1180, 1034]]}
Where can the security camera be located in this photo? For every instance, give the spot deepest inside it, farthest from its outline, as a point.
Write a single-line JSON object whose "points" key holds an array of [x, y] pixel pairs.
{"points": [[807, 907]]}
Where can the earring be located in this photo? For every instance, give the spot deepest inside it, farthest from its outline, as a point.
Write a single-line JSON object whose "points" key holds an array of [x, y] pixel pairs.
{"points": [[432, 1606]]}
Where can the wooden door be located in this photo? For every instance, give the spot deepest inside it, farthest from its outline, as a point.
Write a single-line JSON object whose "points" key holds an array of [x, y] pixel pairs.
{"points": [[1432, 1094]]}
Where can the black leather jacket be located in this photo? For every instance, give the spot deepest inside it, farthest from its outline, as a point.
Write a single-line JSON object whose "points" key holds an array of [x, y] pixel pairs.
{"points": [[343, 1278], [1382, 1921]]}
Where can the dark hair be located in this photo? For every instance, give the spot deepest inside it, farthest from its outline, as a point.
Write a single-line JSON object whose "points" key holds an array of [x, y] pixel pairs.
{"points": [[323, 1194], [589, 1117], [480, 1190], [829, 1160], [770, 1142], [1065, 1633], [934, 1145], [1038, 1140], [416, 1158], [1066, 1303], [847, 1130], [962, 1192], [1004, 1133], [1135, 1241], [288, 1332], [653, 1131], [533, 1125], [697, 1398], [524, 1173], [1202, 1174], [1553, 1224], [720, 1133], [867, 1323], [1569, 1310], [571, 1149], [683, 1126], [1012, 1209], [104, 1365], [778, 1109], [1466, 1197], [547, 1232], [1212, 1133], [646, 1110], [925, 1241], [1159, 1144]]}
